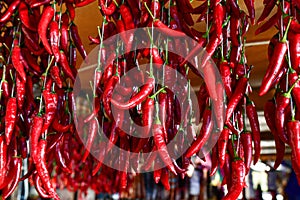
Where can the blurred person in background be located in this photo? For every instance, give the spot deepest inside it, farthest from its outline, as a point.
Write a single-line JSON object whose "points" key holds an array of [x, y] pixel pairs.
{"points": [[292, 189]]}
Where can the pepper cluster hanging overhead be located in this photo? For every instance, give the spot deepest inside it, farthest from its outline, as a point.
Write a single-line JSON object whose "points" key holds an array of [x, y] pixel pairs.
{"points": [[38, 46]]}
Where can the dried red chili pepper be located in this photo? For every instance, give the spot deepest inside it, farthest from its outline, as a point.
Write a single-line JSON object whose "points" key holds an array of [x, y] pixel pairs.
{"points": [[222, 144], [46, 18], [10, 118], [3, 159], [275, 65], [269, 113], [34, 134], [54, 39], [238, 179], [144, 92], [165, 179], [107, 95], [218, 16], [77, 40], [236, 97], [266, 11], [254, 124], [24, 17], [16, 60], [159, 141], [50, 100], [282, 110], [203, 136], [65, 65], [107, 10], [14, 173], [251, 10], [42, 170], [93, 130], [10, 11], [293, 128]]}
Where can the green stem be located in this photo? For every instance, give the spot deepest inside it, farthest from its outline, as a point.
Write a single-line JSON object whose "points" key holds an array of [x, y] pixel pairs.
{"points": [[149, 11], [159, 91]]}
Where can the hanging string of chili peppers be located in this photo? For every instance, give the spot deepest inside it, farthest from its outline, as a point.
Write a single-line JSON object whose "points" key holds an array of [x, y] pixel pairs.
{"points": [[39, 51], [282, 111]]}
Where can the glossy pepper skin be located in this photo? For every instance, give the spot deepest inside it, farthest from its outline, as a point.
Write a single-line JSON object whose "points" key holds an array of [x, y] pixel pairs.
{"points": [[293, 128], [236, 97], [238, 180], [162, 147], [269, 113], [282, 110], [203, 136], [47, 16], [254, 124], [10, 118], [246, 141], [138, 98]]}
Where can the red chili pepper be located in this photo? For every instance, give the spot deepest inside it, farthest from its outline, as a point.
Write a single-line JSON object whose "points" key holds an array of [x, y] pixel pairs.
{"points": [[35, 133], [127, 17], [93, 130], [144, 92], [46, 18], [64, 32], [65, 66], [38, 186], [226, 77], [222, 144], [54, 39], [55, 75], [16, 60], [38, 3], [238, 179], [281, 112], [266, 11], [42, 170], [236, 97], [234, 7], [50, 100], [107, 10], [227, 171], [273, 20], [269, 113], [147, 108], [166, 30], [246, 141], [3, 159], [84, 3], [254, 124], [10, 11], [159, 141], [10, 118], [24, 17], [218, 16], [60, 160], [165, 179], [251, 10], [107, 95], [14, 173], [203, 136], [294, 47], [77, 40], [293, 128]]}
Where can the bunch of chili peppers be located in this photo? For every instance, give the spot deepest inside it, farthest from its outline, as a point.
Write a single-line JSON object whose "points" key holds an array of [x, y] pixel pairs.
{"points": [[282, 111], [39, 51], [223, 41]]}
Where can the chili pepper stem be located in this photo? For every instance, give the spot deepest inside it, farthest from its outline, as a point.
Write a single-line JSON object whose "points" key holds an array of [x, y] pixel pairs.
{"points": [[149, 11]]}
